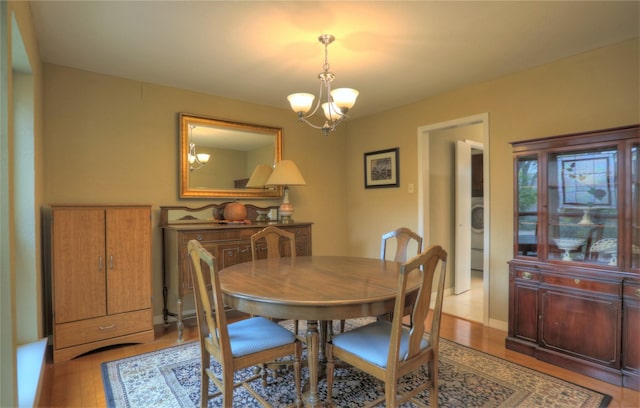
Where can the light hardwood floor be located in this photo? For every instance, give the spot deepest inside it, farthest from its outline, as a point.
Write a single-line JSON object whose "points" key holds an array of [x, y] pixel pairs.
{"points": [[78, 382], [467, 305]]}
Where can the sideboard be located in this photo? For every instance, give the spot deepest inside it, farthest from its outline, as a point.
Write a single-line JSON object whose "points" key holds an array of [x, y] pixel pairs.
{"points": [[229, 242]]}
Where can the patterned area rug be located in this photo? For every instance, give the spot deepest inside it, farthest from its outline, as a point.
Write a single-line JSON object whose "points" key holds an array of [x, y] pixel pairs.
{"points": [[468, 378]]}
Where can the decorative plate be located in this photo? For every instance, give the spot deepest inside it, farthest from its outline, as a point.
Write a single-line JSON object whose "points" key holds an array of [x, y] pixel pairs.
{"points": [[606, 246]]}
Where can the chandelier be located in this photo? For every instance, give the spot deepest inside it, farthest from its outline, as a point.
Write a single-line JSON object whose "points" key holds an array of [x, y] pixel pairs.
{"points": [[196, 160], [335, 103]]}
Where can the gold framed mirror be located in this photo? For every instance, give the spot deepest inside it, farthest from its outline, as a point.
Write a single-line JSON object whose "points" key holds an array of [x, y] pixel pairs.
{"points": [[217, 157]]}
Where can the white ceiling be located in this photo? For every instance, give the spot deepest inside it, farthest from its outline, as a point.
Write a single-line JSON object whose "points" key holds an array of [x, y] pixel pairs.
{"points": [[394, 53]]}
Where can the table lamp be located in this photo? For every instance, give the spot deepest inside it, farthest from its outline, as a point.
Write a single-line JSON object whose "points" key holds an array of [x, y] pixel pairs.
{"points": [[285, 174], [259, 176]]}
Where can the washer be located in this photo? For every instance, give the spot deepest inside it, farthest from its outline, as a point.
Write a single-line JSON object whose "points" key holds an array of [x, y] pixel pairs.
{"points": [[477, 233]]}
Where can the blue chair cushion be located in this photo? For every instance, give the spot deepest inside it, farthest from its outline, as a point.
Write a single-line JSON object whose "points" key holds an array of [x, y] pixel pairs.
{"points": [[256, 334], [371, 342]]}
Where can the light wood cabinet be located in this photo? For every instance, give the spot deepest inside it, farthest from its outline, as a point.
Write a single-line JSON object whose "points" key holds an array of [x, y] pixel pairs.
{"points": [[101, 276], [574, 282], [230, 243]]}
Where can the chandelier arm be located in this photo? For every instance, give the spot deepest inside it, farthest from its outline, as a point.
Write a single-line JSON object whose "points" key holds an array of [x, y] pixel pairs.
{"points": [[304, 119]]}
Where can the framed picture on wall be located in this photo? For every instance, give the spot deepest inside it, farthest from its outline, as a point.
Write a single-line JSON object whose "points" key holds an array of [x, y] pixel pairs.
{"points": [[381, 168]]}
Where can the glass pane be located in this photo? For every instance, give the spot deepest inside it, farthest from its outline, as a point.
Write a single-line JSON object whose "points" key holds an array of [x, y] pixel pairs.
{"points": [[635, 207], [583, 208], [527, 206]]}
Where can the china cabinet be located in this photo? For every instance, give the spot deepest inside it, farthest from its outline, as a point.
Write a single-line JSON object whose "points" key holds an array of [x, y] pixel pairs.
{"points": [[229, 242], [101, 264], [574, 281]]}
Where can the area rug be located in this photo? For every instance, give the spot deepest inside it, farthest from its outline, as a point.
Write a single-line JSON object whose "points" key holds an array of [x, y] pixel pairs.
{"points": [[468, 378]]}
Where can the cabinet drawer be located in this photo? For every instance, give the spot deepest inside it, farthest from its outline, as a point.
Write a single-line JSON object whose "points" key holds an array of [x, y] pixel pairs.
{"points": [[89, 330], [608, 288], [232, 234], [527, 275], [631, 291]]}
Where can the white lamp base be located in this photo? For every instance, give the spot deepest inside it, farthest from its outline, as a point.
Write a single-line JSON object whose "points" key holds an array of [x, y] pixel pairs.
{"points": [[286, 208]]}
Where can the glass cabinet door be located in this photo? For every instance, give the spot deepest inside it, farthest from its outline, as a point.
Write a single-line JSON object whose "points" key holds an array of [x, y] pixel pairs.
{"points": [[635, 206], [527, 205], [582, 202]]}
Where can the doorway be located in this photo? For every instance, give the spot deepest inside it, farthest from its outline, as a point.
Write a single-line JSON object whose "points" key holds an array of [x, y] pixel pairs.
{"points": [[437, 216]]}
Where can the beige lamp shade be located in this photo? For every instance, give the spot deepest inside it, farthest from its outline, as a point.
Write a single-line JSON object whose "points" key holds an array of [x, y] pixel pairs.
{"points": [[286, 173], [259, 176]]}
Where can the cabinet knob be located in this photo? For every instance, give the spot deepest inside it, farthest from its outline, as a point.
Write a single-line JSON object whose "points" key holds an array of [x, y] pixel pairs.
{"points": [[637, 292], [577, 281], [199, 237], [527, 275]]}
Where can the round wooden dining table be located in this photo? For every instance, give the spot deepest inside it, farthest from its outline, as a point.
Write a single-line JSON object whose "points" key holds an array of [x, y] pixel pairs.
{"points": [[313, 288]]}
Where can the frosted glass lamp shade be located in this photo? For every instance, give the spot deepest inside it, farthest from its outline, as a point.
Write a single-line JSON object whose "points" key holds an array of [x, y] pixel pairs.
{"points": [[344, 98], [333, 114], [259, 176], [301, 102], [203, 157], [286, 173]]}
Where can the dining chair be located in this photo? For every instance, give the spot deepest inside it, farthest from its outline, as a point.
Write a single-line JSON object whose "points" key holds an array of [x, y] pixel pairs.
{"points": [[403, 237], [242, 344], [388, 350], [272, 236]]}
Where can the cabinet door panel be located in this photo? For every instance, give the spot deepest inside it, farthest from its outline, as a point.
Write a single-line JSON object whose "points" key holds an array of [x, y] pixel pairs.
{"points": [[631, 335], [580, 325], [78, 264], [128, 259], [525, 324]]}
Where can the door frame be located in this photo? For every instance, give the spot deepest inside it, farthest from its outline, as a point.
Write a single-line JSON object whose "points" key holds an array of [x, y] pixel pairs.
{"points": [[424, 133]]}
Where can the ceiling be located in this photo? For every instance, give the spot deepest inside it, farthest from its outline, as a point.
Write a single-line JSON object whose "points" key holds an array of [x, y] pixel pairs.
{"points": [[394, 53]]}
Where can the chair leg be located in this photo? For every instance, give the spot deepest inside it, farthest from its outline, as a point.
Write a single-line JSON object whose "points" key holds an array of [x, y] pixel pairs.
{"points": [[204, 378], [227, 387], [330, 366], [297, 368], [391, 393], [433, 391]]}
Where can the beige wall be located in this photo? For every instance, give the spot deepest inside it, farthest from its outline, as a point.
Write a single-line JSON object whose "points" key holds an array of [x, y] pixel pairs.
{"points": [[111, 140], [99, 130], [593, 90]]}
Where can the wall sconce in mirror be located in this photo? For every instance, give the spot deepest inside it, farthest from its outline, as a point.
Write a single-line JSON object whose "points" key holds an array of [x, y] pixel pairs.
{"points": [[196, 160], [238, 148]]}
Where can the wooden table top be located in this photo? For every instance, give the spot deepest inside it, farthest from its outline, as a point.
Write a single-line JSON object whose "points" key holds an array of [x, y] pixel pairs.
{"points": [[312, 287]]}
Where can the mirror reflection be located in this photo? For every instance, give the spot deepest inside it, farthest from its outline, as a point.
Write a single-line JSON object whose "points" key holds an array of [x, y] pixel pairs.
{"points": [[218, 157]]}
